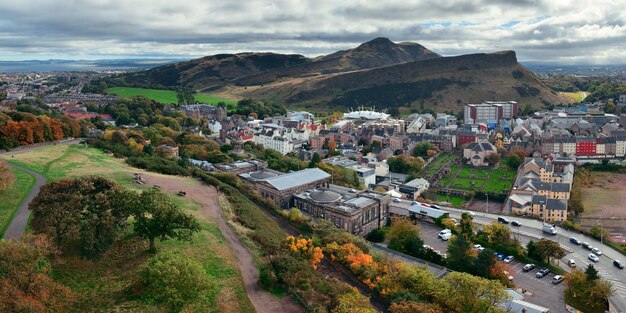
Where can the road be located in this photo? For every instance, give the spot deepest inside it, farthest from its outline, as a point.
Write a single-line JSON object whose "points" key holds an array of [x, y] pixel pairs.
{"points": [[533, 229]]}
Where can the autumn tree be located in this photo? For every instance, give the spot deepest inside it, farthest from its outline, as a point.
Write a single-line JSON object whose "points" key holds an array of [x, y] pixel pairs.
{"points": [[497, 233], [6, 175], [174, 280], [547, 249], [404, 237], [26, 283], [352, 302], [463, 292], [86, 213], [157, 216], [412, 307]]}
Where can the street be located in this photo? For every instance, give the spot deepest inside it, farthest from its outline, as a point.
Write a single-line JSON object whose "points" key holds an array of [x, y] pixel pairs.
{"points": [[532, 229]]}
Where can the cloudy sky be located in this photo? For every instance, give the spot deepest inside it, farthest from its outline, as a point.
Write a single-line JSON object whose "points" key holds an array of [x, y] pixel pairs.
{"points": [[564, 31]]}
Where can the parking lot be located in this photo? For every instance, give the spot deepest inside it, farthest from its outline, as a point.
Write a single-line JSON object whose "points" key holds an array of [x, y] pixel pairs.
{"points": [[544, 292], [539, 291]]}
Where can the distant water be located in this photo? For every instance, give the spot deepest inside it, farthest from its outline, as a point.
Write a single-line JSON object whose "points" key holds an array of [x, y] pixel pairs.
{"points": [[78, 66]]}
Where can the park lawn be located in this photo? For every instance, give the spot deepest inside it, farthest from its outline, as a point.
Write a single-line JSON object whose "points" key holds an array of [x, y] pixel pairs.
{"points": [[102, 285], [11, 198], [165, 96], [474, 172], [501, 180]]}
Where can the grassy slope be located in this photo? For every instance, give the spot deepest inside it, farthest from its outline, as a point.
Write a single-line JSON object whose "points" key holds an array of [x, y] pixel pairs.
{"points": [[164, 96], [102, 285], [11, 198]]}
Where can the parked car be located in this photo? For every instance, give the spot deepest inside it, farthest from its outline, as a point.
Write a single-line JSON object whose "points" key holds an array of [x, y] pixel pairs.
{"points": [[557, 279], [479, 247], [542, 272], [472, 214], [446, 236], [443, 233], [528, 267], [593, 257], [508, 259], [571, 263], [618, 264], [396, 200], [503, 220], [516, 223], [500, 256], [587, 245], [575, 241], [596, 251], [508, 275], [434, 206]]}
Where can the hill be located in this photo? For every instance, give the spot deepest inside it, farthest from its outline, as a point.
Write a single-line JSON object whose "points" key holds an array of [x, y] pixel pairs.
{"points": [[378, 72]]}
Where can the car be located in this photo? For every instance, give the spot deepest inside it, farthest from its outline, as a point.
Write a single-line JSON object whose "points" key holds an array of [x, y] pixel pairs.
{"points": [[575, 241], [557, 279], [571, 263], [596, 251], [618, 264], [503, 220], [443, 233], [415, 203], [587, 245], [516, 223], [446, 236], [508, 259], [593, 257], [528, 267], [396, 200], [472, 214], [434, 206], [500, 256], [479, 247], [542, 273]]}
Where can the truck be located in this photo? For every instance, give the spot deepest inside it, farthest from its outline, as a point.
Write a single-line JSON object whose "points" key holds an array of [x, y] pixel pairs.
{"points": [[549, 229]]}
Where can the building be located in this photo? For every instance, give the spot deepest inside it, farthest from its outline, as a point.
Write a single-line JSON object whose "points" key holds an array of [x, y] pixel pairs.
{"points": [[476, 153], [414, 187], [280, 187], [549, 210], [204, 111], [243, 166], [490, 112], [356, 211]]}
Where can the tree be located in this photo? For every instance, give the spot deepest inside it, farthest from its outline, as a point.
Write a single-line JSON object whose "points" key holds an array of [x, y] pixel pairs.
{"points": [[174, 280], [315, 159], [547, 249], [86, 212], [493, 159], [353, 302], [412, 307], [591, 273], [484, 263], [26, 282], [157, 216], [404, 237], [459, 258], [466, 226], [497, 233], [6, 176], [422, 148], [514, 161], [463, 292], [376, 235]]}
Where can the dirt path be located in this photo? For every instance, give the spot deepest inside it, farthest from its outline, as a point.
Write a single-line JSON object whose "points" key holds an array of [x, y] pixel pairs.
{"points": [[208, 198]]}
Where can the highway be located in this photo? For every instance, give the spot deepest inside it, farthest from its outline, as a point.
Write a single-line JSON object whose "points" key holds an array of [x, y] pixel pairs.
{"points": [[533, 229]]}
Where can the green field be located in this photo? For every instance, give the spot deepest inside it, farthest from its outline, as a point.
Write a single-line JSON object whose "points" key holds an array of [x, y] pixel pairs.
{"points": [[101, 285], [165, 96], [11, 198], [438, 162], [485, 179]]}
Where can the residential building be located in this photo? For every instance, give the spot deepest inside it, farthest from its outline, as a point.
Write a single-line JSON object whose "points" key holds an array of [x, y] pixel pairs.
{"points": [[489, 112], [414, 188]]}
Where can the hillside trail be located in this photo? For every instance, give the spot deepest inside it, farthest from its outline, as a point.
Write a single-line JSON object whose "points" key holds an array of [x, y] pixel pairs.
{"points": [[207, 197]]}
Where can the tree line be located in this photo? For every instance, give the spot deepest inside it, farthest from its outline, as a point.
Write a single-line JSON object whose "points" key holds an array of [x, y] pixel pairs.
{"points": [[17, 129]]}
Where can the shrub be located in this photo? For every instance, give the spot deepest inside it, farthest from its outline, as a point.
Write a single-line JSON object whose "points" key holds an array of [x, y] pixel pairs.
{"points": [[174, 280], [376, 235]]}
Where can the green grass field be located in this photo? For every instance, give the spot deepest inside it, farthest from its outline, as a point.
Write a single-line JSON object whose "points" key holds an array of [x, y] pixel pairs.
{"points": [[11, 198], [102, 285], [485, 179], [454, 200], [165, 96]]}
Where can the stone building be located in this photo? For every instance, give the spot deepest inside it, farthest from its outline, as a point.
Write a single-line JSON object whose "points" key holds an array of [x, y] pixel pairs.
{"points": [[355, 211], [280, 187]]}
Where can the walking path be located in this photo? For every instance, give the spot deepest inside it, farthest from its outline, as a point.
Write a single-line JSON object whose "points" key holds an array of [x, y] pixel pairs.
{"points": [[18, 223]]}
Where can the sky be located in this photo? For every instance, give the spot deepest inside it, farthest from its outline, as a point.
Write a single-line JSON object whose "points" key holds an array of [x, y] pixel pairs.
{"points": [[556, 31]]}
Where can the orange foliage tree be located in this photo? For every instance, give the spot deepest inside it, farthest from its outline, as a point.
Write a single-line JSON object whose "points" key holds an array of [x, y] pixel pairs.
{"points": [[304, 247]]}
